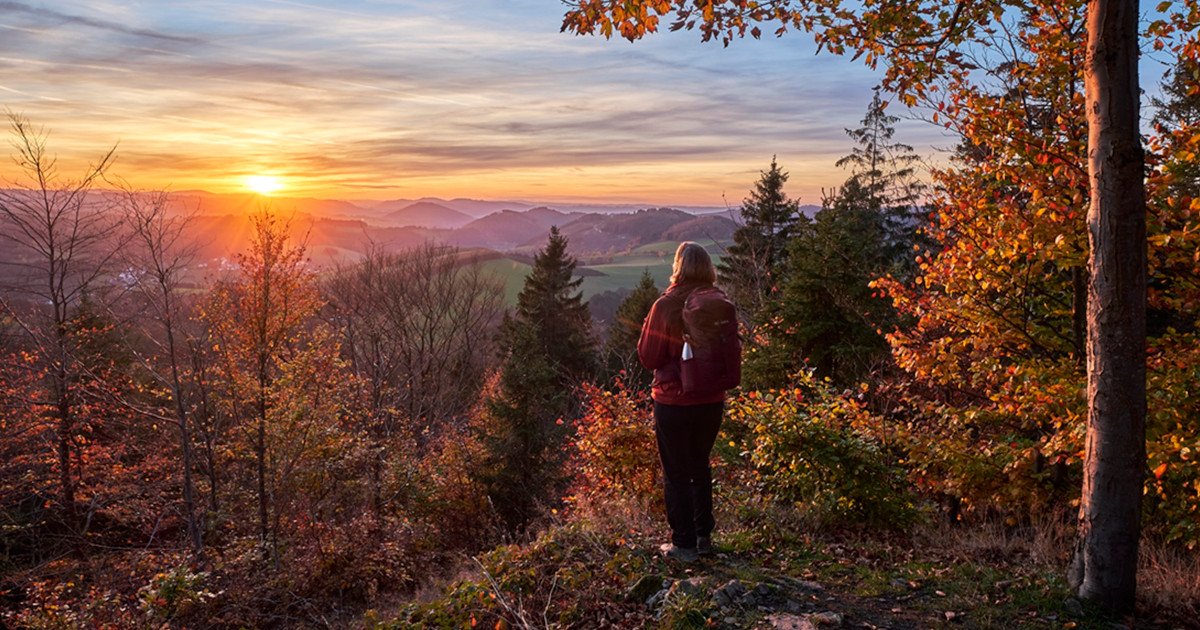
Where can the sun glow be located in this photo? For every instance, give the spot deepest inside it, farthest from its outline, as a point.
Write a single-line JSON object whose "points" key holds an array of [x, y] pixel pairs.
{"points": [[263, 184]]}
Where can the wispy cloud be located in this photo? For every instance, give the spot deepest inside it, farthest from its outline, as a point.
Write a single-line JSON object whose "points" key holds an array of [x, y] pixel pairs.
{"points": [[54, 18], [425, 97]]}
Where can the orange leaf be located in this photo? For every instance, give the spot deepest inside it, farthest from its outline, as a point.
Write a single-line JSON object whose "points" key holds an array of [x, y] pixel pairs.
{"points": [[1158, 472]]}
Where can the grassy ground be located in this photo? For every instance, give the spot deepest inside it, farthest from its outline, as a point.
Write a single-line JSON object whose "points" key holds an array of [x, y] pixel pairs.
{"points": [[512, 272], [584, 574]]}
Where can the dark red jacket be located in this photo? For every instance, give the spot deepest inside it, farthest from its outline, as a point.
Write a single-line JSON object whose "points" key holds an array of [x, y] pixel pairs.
{"points": [[661, 345]]}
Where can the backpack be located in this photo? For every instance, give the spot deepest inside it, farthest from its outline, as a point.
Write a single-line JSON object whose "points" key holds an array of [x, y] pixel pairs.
{"points": [[712, 359]]}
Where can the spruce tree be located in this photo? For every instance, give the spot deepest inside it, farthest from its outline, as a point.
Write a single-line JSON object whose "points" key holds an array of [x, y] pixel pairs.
{"points": [[884, 173], [750, 266], [623, 334], [546, 349], [827, 316], [552, 306]]}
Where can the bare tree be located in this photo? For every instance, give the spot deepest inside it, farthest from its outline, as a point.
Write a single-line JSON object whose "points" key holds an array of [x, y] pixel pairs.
{"points": [[417, 329], [417, 326], [156, 261], [61, 237]]}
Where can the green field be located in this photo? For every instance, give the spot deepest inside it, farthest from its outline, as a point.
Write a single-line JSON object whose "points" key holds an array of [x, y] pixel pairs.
{"points": [[622, 271], [667, 248], [513, 273], [625, 272]]}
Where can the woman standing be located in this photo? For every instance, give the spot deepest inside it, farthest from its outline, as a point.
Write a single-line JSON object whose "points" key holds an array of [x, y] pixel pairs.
{"points": [[685, 423]]}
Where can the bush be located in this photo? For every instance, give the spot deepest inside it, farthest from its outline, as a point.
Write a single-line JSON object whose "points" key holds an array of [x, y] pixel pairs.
{"points": [[809, 447], [615, 456], [175, 593], [1173, 442]]}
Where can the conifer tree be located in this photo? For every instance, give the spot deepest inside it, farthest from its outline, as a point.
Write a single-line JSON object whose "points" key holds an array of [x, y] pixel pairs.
{"points": [[551, 305], [749, 269], [884, 173], [546, 349], [623, 334], [1178, 112], [827, 315]]}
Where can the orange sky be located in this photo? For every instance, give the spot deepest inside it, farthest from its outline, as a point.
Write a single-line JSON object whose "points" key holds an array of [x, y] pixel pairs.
{"points": [[417, 98]]}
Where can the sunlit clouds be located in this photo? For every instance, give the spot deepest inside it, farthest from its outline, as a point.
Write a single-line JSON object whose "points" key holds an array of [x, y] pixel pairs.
{"points": [[377, 100]]}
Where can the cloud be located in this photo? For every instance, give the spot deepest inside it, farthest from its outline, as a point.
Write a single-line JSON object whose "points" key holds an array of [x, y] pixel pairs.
{"points": [[50, 17], [490, 99]]}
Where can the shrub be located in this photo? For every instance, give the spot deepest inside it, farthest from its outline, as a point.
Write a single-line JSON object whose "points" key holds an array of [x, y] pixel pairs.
{"points": [[615, 456], [809, 446], [175, 593]]}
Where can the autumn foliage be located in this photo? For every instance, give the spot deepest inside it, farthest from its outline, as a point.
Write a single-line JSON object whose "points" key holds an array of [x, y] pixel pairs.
{"points": [[615, 456], [295, 440]]}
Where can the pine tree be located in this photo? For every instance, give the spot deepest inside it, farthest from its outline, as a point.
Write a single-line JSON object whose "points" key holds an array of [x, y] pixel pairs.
{"points": [[547, 348], [749, 269], [552, 306], [623, 334], [884, 173], [828, 316]]}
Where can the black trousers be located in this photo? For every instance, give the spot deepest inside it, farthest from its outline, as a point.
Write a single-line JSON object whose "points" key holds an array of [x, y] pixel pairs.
{"points": [[686, 434]]}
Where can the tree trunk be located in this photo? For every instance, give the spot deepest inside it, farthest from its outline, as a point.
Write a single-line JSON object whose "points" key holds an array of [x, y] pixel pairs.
{"points": [[185, 444], [1105, 566], [61, 389], [66, 430], [260, 454], [1079, 302]]}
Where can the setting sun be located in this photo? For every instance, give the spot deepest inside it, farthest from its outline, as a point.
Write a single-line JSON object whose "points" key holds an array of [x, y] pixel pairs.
{"points": [[263, 184]]}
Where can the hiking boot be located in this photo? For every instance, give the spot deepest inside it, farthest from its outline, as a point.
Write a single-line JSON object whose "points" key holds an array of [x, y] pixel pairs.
{"points": [[704, 546], [682, 554]]}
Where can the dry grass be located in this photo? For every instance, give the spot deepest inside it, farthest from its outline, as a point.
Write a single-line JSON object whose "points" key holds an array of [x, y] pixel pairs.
{"points": [[1168, 577], [1169, 581], [1045, 542]]}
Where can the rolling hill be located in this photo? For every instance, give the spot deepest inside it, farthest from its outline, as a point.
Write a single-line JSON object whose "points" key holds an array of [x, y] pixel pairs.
{"points": [[611, 233], [428, 215]]}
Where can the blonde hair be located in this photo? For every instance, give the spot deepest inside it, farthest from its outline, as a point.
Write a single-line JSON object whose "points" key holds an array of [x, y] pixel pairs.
{"points": [[692, 264]]}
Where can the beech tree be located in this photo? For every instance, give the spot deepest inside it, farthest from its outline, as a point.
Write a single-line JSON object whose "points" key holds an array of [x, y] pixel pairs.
{"points": [[256, 321], [926, 49]]}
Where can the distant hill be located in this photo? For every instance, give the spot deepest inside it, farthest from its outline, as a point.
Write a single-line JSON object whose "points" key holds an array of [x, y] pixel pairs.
{"points": [[474, 208], [427, 214], [702, 229], [225, 236], [735, 213], [339, 230], [599, 233], [480, 208], [505, 229], [550, 216]]}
